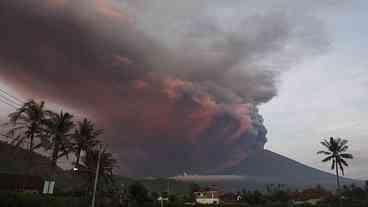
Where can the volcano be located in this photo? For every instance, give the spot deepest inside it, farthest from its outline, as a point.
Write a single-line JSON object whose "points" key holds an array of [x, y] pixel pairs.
{"points": [[263, 167], [268, 166]]}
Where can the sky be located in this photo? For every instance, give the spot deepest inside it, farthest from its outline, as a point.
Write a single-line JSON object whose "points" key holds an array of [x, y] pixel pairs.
{"points": [[325, 97], [194, 85]]}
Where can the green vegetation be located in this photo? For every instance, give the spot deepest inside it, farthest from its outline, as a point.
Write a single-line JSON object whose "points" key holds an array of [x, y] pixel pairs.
{"points": [[35, 200], [58, 132], [26, 125], [336, 153], [34, 127], [85, 138], [139, 196], [88, 170]]}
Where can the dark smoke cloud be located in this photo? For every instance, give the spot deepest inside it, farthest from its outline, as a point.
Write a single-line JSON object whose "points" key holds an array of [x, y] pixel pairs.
{"points": [[175, 91]]}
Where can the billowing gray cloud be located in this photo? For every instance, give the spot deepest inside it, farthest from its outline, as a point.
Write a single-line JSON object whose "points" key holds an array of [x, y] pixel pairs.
{"points": [[176, 84]]}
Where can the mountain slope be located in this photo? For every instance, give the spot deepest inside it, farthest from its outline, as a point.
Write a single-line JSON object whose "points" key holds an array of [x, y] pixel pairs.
{"points": [[264, 167], [14, 160], [267, 166]]}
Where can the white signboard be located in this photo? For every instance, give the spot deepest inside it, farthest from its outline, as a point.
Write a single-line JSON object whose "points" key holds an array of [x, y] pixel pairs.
{"points": [[48, 187]]}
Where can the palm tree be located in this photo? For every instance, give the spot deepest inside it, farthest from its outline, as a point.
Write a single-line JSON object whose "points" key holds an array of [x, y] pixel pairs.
{"points": [[59, 130], [107, 164], [27, 124], [85, 138], [336, 153]]}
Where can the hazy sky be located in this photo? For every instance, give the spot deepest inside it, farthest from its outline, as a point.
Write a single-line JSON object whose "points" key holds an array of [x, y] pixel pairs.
{"points": [[174, 77], [326, 96]]}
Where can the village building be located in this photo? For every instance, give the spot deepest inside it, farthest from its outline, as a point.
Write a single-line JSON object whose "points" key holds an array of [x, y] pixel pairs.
{"points": [[208, 196], [310, 196]]}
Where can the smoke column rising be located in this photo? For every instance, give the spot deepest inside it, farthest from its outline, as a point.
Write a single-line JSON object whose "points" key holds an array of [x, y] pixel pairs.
{"points": [[175, 84]]}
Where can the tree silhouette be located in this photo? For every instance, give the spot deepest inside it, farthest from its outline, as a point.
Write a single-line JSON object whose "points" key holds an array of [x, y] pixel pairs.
{"points": [[84, 138], [336, 154], [138, 194], [59, 130], [27, 124], [107, 164]]}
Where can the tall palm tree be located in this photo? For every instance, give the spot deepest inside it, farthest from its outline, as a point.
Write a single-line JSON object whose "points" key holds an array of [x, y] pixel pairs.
{"points": [[27, 124], [59, 130], [337, 155], [107, 164], [84, 138]]}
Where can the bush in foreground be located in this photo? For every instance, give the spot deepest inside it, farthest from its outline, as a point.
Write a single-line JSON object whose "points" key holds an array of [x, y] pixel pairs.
{"points": [[37, 200]]}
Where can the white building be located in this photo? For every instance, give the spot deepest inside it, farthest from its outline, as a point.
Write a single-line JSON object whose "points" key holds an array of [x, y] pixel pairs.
{"points": [[207, 197]]}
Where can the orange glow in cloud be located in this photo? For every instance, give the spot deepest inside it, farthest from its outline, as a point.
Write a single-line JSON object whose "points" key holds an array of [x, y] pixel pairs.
{"points": [[140, 84], [108, 9], [203, 116], [171, 86], [121, 60], [89, 58], [242, 112]]}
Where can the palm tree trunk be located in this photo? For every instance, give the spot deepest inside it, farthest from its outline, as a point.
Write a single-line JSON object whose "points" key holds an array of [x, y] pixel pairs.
{"points": [[30, 158], [55, 154], [54, 158], [337, 178], [79, 151], [31, 143], [338, 183], [28, 171]]}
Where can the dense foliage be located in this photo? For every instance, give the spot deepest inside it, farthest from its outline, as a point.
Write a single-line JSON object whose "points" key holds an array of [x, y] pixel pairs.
{"points": [[36, 200], [137, 195], [336, 153], [34, 127]]}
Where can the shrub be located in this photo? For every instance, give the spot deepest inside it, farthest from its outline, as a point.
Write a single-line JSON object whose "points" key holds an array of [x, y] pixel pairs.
{"points": [[9, 199]]}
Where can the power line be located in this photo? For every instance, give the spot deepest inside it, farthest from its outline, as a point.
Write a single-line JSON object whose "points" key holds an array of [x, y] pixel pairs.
{"points": [[11, 96], [10, 138], [7, 103], [5, 136], [7, 99], [10, 100], [28, 142]]}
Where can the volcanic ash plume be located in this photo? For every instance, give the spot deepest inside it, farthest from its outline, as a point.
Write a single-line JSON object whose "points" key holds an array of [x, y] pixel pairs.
{"points": [[175, 85]]}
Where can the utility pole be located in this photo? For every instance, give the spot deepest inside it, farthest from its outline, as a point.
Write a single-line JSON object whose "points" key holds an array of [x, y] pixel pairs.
{"points": [[162, 199], [168, 187], [96, 176]]}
